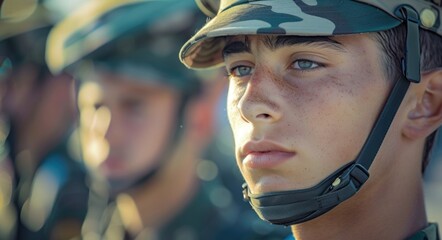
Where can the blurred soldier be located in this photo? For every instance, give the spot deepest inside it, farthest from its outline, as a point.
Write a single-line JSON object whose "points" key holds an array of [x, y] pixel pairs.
{"points": [[145, 122], [42, 190]]}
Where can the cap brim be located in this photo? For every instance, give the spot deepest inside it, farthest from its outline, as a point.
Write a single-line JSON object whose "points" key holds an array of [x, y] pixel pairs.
{"points": [[282, 17], [101, 23]]}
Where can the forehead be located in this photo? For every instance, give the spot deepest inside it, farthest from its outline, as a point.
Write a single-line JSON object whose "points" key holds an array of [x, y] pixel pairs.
{"points": [[131, 86], [339, 43], [272, 40]]}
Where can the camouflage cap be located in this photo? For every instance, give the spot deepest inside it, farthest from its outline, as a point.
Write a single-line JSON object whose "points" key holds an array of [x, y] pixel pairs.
{"points": [[297, 17], [132, 37], [208, 7]]}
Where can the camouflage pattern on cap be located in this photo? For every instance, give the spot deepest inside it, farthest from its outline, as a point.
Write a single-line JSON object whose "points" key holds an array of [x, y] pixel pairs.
{"points": [[132, 37], [208, 7], [298, 18]]}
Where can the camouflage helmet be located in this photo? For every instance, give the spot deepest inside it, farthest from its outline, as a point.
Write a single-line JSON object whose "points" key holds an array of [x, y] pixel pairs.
{"points": [[298, 17], [137, 38]]}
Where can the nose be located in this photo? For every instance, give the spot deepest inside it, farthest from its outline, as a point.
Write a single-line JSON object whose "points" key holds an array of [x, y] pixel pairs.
{"points": [[94, 124], [259, 102], [114, 132]]}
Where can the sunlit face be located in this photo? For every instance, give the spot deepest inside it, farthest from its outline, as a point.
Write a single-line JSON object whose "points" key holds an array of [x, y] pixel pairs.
{"points": [[143, 119], [300, 108]]}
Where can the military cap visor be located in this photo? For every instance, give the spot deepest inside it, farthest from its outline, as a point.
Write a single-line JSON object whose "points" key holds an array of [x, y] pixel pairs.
{"points": [[139, 39], [297, 18], [100, 23]]}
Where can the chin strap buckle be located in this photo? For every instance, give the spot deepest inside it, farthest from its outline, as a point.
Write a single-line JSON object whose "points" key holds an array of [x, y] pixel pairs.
{"points": [[359, 174], [437, 2], [245, 192], [356, 174]]}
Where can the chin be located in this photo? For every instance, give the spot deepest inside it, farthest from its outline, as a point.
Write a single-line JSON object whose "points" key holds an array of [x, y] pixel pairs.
{"points": [[112, 172], [113, 175], [272, 184], [275, 183]]}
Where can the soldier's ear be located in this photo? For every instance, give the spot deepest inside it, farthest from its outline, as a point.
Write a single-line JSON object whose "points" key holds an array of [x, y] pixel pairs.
{"points": [[426, 116]]}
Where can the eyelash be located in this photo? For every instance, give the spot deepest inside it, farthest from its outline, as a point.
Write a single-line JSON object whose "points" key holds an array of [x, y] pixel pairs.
{"points": [[317, 65], [231, 70]]}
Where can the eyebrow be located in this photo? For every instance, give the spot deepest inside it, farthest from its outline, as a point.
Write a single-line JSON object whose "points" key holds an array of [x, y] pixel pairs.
{"points": [[236, 46], [274, 42]]}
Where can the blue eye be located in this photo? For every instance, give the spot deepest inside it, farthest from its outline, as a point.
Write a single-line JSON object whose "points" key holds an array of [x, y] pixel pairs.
{"points": [[240, 71], [304, 64]]}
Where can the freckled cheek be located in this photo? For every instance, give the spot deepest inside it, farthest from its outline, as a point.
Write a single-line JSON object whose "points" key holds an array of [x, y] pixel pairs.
{"points": [[234, 95], [331, 125], [232, 115], [237, 123]]}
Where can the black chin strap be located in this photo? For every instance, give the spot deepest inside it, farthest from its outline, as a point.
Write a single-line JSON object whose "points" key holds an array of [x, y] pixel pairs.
{"points": [[297, 206]]}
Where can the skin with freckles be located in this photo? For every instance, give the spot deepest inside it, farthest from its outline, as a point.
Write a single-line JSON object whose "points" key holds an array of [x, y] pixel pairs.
{"points": [[302, 107], [297, 96]]}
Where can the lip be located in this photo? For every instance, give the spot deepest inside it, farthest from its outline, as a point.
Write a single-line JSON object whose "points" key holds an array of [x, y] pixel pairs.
{"points": [[112, 163], [264, 154]]}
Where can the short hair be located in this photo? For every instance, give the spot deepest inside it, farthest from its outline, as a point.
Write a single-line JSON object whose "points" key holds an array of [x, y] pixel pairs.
{"points": [[392, 43]]}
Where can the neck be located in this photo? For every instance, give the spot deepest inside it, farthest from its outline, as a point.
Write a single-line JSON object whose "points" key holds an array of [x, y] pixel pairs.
{"points": [[162, 200], [164, 196], [389, 206]]}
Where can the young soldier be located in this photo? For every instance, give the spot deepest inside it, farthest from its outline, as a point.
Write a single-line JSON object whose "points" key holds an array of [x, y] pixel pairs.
{"points": [[149, 117], [333, 106]]}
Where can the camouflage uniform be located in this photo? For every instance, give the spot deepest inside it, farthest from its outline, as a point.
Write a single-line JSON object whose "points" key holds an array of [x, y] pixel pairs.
{"points": [[428, 233], [318, 18]]}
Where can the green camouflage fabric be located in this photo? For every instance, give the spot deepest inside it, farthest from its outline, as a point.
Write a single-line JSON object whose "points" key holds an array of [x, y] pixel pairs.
{"points": [[430, 232], [131, 37], [297, 17], [208, 7]]}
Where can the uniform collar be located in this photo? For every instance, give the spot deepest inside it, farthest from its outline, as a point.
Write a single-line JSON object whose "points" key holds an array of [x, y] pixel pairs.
{"points": [[430, 232]]}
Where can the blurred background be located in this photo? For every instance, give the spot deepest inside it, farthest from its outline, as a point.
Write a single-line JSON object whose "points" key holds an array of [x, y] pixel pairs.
{"points": [[58, 129], [44, 180], [433, 183]]}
